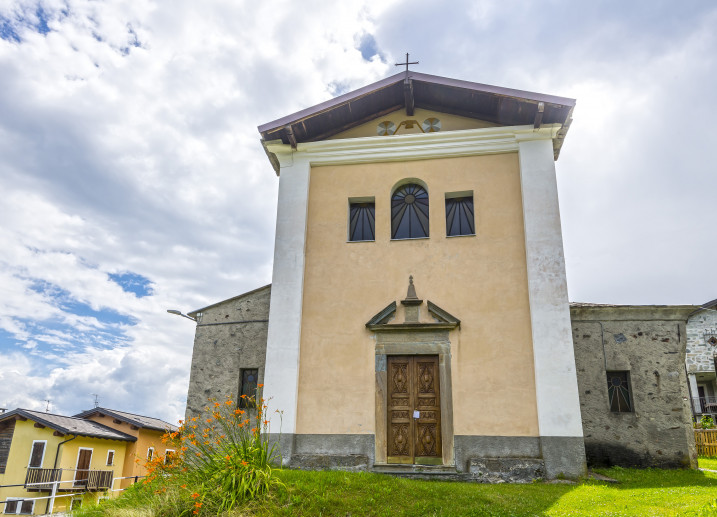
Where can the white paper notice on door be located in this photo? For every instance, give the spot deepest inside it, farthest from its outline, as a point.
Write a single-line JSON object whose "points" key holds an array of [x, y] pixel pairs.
{"points": [[416, 413]]}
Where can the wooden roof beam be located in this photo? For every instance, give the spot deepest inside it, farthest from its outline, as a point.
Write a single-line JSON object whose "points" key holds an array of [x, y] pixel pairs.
{"points": [[408, 96], [539, 115]]}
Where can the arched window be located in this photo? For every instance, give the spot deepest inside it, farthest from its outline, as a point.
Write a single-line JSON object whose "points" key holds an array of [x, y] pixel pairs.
{"points": [[409, 212]]}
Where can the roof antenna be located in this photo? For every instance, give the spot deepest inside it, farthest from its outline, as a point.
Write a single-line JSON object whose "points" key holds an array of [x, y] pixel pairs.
{"points": [[97, 399], [47, 406]]}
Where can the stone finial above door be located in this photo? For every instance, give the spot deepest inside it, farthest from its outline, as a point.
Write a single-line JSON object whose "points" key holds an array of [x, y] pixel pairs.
{"points": [[442, 319]]}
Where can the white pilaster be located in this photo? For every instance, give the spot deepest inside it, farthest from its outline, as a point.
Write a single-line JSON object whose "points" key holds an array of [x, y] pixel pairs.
{"points": [[555, 377], [284, 336], [694, 392]]}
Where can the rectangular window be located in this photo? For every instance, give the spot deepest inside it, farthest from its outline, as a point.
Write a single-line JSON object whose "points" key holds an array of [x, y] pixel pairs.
{"points": [[460, 218], [75, 504], [37, 454], [19, 506], [247, 390], [150, 453], [618, 392], [362, 220], [110, 458], [168, 455]]}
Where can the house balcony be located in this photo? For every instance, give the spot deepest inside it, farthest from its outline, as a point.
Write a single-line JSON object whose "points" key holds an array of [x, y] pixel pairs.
{"points": [[41, 480], [704, 406]]}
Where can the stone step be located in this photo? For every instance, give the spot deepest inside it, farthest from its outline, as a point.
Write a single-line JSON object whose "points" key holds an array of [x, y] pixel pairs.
{"points": [[420, 471]]}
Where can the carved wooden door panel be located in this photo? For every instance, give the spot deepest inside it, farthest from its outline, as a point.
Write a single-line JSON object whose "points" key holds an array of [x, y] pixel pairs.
{"points": [[414, 410]]}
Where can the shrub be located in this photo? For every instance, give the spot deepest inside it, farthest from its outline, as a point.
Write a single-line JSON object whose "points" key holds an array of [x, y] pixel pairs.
{"points": [[706, 422], [222, 459]]}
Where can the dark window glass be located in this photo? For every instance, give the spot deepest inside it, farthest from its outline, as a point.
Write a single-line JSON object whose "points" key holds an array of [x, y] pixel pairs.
{"points": [[249, 379], [38, 448], [11, 506], [26, 507], [110, 457], [150, 454], [618, 391], [362, 221], [409, 212], [459, 216]]}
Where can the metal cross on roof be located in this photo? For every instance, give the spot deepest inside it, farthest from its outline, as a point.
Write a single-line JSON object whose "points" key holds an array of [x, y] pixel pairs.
{"points": [[407, 63]]}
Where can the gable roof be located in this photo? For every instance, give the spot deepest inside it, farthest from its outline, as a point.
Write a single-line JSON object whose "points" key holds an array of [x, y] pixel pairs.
{"points": [[145, 422], [503, 106], [195, 312], [69, 424]]}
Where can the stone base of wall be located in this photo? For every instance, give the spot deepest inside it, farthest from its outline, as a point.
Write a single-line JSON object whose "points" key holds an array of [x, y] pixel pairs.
{"points": [[350, 463], [609, 454], [506, 470]]}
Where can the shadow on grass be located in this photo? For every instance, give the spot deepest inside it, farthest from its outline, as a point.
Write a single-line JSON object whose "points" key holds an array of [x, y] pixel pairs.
{"points": [[658, 478]]}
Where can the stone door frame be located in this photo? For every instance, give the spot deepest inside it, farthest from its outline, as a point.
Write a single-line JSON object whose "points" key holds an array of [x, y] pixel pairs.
{"points": [[414, 342]]}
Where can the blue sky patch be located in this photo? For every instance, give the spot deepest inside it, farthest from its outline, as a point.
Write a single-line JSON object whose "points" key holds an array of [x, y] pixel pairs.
{"points": [[9, 28], [368, 46], [140, 285]]}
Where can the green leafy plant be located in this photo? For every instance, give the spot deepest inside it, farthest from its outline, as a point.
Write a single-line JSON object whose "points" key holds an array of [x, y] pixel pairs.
{"points": [[706, 422]]}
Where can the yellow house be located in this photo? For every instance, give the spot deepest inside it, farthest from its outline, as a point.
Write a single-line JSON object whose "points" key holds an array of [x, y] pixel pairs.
{"points": [[146, 431], [38, 449]]}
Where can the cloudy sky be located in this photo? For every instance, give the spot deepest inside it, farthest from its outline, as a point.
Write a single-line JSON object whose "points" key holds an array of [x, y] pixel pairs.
{"points": [[132, 179]]}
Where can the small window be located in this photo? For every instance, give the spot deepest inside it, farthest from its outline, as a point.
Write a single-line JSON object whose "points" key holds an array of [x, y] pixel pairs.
{"points": [[110, 458], [362, 221], [409, 212], [168, 455], [150, 453], [37, 454], [19, 506], [76, 503], [247, 390], [618, 391], [460, 218]]}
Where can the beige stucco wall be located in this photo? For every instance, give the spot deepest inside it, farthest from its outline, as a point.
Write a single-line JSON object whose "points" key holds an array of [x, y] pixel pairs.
{"points": [[448, 123], [479, 279]]}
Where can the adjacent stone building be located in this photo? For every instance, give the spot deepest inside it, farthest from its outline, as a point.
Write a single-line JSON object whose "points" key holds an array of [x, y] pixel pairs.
{"points": [[633, 389], [229, 348], [701, 359]]}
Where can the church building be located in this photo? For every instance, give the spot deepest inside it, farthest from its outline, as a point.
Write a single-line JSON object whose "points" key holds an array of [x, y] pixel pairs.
{"points": [[418, 315]]}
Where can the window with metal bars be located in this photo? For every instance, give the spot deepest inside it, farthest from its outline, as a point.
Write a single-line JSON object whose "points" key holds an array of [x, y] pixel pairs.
{"points": [[460, 219], [618, 391], [247, 390], [409, 212], [362, 221]]}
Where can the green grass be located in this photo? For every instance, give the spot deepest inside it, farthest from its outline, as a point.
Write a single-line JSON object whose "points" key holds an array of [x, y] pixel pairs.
{"points": [[708, 463], [650, 492]]}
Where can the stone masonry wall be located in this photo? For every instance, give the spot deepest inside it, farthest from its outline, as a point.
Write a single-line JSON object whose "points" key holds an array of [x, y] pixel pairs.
{"points": [[230, 335], [649, 342], [700, 354]]}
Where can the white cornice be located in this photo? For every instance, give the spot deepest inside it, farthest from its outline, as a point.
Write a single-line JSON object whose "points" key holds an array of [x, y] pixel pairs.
{"points": [[469, 142]]}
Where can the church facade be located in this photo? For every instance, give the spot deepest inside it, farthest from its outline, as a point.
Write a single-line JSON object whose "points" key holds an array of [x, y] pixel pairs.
{"points": [[418, 316]]}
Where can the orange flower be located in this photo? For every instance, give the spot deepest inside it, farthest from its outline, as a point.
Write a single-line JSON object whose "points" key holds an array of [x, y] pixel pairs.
{"points": [[195, 495], [184, 486], [244, 463], [216, 404], [229, 402], [198, 504], [209, 420], [228, 457], [266, 422], [260, 385]]}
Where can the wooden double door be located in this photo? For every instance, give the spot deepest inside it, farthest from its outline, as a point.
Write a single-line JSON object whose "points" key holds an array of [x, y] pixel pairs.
{"points": [[414, 410]]}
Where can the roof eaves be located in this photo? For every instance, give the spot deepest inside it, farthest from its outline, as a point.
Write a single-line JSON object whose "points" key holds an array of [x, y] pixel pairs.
{"points": [[229, 299], [331, 103]]}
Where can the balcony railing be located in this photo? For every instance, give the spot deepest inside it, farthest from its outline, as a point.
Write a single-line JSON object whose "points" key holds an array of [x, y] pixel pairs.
{"points": [[87, 480], [40, 479], [704, 405], [93, 479]]}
